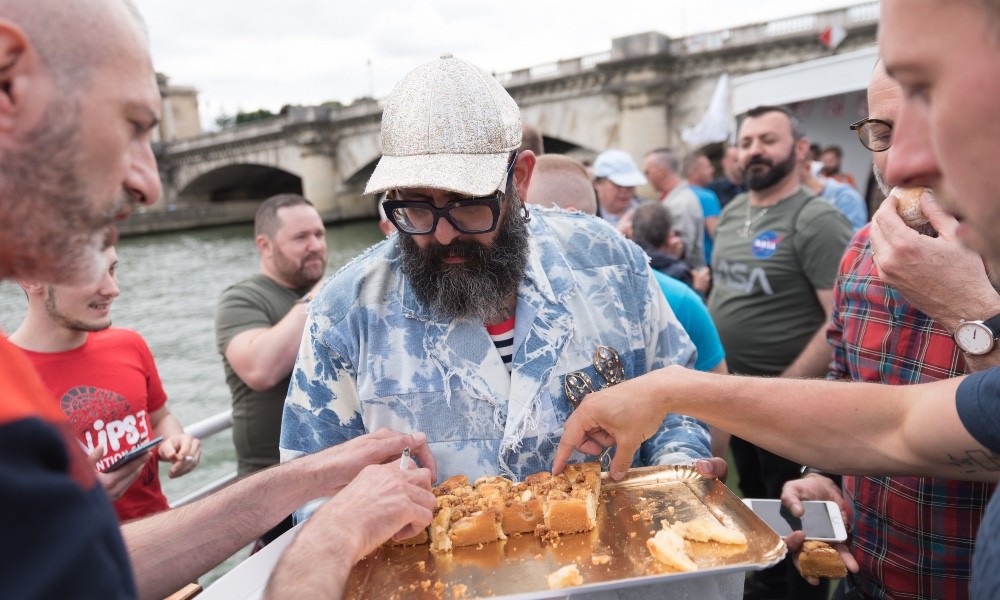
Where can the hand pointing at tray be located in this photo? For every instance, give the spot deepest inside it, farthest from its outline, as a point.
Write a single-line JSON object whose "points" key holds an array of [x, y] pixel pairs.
{"points": [[622, 415]]}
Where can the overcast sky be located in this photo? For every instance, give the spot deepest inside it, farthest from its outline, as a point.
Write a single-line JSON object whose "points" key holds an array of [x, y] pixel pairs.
{"points": [[267, 53]]}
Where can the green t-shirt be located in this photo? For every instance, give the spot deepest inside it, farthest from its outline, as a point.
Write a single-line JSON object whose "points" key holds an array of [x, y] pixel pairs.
{"points": [[763, 297], [251, 304]]}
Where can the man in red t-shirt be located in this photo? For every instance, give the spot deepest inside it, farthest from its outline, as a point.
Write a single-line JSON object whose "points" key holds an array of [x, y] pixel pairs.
{"points": [[107, 384]]}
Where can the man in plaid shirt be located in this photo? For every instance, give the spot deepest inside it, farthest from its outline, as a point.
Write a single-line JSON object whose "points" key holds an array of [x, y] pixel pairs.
{"points": [[911, 536]]}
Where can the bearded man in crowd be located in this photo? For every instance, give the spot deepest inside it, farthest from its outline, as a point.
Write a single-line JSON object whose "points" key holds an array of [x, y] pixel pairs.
{"points": [[465, 324]]}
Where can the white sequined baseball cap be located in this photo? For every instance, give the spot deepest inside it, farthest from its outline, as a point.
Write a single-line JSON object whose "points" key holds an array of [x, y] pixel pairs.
{"points": [[447, 125]]}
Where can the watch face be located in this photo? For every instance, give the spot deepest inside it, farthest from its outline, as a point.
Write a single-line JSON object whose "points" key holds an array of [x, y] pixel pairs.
{"points": [[974, 338]]}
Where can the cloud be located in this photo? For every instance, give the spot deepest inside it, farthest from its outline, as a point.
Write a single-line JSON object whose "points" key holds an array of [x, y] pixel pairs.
{"points": [[264, 54]]}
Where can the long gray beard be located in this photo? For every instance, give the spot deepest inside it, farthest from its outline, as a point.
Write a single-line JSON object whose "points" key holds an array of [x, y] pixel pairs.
{"points": [[479, 288]]}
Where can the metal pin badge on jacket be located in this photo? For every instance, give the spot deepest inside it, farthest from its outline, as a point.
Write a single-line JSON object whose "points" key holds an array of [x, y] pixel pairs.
{"points": [[609, 365], [577, 386]]}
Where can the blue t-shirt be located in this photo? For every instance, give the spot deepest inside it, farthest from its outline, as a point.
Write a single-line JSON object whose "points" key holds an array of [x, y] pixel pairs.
{"points": [[978, 403], [848, 201], [693, 316], [710, 207]]}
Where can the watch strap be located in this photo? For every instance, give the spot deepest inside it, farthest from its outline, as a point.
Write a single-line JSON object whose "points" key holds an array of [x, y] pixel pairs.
{"points": [[993, 324]]}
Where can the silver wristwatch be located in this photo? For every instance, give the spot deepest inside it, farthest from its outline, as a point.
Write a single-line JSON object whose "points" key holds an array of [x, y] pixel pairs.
{"points": [[977, 337]]}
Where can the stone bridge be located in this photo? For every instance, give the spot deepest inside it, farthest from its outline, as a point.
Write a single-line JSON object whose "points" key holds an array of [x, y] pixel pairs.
{"points": [[637, 96]]}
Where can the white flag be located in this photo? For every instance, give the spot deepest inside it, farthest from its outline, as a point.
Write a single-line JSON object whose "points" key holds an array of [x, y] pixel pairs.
{"points": [[832, 36], [714, 124]]}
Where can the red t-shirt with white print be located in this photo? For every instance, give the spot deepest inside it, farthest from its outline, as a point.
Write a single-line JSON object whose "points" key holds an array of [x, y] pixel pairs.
{"points": [[107, 388]]}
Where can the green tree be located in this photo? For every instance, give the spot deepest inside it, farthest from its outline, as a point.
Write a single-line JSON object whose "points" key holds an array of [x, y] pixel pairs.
{"points": [[246, 117]]}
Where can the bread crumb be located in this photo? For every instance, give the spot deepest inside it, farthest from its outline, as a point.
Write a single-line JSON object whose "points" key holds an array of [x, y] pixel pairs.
{"points": [[600, 559], [458, 591], [565, 577]]}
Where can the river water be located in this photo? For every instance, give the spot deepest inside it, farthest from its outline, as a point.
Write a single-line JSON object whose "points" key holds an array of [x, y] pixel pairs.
{"points": [[170, 284]]}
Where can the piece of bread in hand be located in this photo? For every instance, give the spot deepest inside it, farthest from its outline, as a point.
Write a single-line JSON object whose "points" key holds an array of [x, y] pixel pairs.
{"points": [[819, 559], [908, 208]]}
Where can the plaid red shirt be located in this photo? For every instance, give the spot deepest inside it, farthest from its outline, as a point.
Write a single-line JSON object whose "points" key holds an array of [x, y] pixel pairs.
{"points": [[912, 536]]}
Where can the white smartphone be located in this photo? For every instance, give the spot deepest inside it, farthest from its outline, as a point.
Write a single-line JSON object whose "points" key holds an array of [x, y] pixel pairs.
{"points": [[821, 520]]}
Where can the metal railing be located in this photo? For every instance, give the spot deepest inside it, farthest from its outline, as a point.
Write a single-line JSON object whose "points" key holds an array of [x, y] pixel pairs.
{"points": [[201, 430]]}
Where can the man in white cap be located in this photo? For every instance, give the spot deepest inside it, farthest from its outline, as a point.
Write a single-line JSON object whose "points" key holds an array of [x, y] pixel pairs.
{"points": [[465, 324], [615, 179]]}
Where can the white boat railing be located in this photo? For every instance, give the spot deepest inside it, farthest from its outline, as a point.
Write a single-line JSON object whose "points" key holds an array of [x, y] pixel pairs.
{"points": [[201, 430], [211, 425]]}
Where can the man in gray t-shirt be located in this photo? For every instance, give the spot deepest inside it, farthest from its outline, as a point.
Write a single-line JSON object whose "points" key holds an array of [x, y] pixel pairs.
{"points": [[663, 170], [259, 323], [775, 260]]}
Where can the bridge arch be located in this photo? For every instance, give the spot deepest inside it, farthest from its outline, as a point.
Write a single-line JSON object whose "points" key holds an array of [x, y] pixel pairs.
{"points": [[239, 182]]}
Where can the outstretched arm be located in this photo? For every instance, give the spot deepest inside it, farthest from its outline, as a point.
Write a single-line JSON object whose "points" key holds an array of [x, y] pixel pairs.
{"points": [[840, 427], [380, 503], [175, 547]]}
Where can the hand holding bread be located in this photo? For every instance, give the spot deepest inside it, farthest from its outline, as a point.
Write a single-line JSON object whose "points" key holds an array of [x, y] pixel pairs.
{"points": [[908, 206], [935, 274], [819, 559], [814, 559]]}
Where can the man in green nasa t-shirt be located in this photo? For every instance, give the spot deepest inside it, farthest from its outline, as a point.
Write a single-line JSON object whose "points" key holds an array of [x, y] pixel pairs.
{"points": [[774, 265], [259, 323]]}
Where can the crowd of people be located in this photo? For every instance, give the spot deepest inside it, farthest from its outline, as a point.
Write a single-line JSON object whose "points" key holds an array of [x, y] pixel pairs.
{"points": [[505, 271]]}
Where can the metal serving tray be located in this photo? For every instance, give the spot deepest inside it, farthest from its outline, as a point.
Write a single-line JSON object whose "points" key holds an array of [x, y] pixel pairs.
{"points": [[630, 513]]}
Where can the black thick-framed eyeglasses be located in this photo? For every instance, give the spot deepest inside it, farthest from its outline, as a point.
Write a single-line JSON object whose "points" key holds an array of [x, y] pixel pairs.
{"points": [[875, 134], [466, 215]]}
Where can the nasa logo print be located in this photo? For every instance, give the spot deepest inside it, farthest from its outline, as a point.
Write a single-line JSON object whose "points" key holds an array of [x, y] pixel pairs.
{"points": [[765, 244]]}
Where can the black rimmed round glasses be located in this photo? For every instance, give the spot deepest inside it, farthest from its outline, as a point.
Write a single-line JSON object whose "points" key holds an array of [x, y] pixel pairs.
{"points": [[875, 134], [466, 215]]}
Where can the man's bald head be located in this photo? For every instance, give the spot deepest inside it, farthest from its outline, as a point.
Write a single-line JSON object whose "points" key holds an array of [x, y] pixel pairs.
{"points": [[80, 107], [73, 37], [559, 180]]}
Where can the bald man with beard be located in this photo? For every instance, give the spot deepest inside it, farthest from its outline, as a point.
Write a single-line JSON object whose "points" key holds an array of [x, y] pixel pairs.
{"points": [[78, 105]]}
